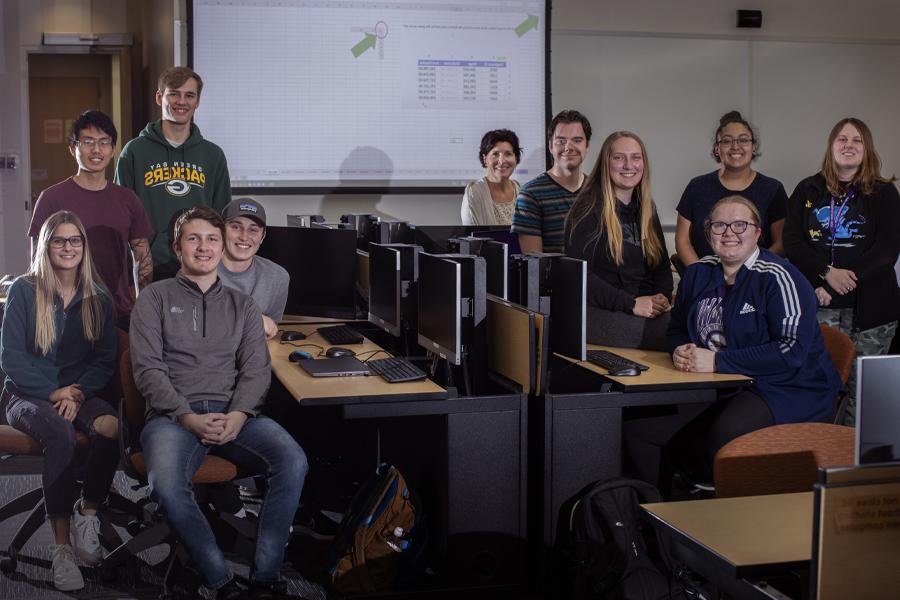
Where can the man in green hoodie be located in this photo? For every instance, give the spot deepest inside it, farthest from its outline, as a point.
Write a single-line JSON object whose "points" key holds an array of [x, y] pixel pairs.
{"points": [[171, 167]]}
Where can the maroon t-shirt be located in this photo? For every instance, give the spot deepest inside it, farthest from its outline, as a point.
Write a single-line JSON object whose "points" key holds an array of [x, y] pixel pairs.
{"points": [[112, 217]]}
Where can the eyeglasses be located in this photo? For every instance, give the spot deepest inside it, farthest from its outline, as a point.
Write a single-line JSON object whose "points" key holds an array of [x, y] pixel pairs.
{"points": [[104, 143], [738, 227], [741, 141], [75, 241]]}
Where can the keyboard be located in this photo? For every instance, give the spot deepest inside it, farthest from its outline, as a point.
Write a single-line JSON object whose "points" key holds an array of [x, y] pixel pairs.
{"points": [[396, 370], [339, 335], [609, 360]]}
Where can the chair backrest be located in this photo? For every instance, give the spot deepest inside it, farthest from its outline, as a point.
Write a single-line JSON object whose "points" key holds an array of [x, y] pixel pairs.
{"points": [[781, 459], [132, 401], [841, 350]]}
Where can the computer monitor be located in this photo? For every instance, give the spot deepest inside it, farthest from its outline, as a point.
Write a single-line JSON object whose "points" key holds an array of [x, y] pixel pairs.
{"points": [[393, 232], [304, 220], [496, 256], [568, 297], [440, 310], [366, 227], [877, 409], [322, 265], [384, 288], [501, 235], [529, 280]]}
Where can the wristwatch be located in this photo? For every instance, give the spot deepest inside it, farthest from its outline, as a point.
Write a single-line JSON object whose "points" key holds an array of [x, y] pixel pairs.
{"points": [[824, 272]]}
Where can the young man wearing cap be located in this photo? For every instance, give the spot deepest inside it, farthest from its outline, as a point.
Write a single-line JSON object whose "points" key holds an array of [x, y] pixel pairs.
{"points": [[260, 278], [172, 167]]}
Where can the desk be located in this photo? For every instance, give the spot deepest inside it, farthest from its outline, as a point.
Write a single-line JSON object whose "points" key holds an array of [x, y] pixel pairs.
{"points": [[582, 432], [341, 391], [472, 451], [731, 541], [660, 375]]}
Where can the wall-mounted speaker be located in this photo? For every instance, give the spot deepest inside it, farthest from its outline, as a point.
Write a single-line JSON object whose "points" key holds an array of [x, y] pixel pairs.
{"points": [[749, 18]]}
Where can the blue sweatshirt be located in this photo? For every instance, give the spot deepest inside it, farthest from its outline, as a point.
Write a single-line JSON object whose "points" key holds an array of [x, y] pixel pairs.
{"points": [[71, 359], [771, 333]]}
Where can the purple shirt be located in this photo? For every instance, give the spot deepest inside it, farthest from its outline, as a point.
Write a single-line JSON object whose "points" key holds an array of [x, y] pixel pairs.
{"points": [[112, 217]]}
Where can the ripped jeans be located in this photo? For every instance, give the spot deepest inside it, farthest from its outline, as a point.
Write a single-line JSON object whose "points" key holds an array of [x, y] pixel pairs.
{"points": [[39, 419]]}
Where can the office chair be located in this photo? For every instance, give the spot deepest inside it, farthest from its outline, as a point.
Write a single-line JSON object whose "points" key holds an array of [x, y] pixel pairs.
{"points": [[781, 459], [842, 351], [152, 529]]}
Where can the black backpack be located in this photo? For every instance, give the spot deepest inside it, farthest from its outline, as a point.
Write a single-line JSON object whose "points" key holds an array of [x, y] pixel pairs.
{"points": [[604, 552]]}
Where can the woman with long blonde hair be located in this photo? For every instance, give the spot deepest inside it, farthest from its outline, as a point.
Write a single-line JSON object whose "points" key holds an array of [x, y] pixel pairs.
{"points": [[613, 226], [57, 349]]}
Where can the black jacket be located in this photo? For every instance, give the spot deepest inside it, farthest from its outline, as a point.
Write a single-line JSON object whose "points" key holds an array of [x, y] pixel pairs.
{"points": [[877, 297], [611, 286]]}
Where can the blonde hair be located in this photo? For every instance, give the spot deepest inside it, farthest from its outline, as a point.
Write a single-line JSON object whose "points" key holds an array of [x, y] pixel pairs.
{"points": [[599, 188], [868, 173], [46, 285], [733, 199]]}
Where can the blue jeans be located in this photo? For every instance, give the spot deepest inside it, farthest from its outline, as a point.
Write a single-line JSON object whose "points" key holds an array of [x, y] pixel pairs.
{"points": [[173, 454], [39, 419]]}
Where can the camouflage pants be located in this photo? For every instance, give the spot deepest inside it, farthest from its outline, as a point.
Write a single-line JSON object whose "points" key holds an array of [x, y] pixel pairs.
{"points": [[870, 342]]}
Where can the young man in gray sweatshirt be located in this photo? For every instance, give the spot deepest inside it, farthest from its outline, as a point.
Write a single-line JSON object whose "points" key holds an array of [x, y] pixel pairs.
{"points": [[200, 360], [261, 279]]}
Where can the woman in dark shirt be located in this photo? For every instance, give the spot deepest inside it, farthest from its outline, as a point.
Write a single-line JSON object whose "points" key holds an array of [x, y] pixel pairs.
{"points": [[613, 226], [735, 146], [57, 349], [842, 233]]}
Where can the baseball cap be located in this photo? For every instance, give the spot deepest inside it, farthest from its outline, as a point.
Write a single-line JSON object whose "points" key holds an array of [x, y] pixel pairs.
{"points": [[245, 207]]}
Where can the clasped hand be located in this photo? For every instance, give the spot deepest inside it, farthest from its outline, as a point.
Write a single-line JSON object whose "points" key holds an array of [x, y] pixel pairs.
{"points": [[651, 306], [694, 359], [67, 400], [214, 428]]}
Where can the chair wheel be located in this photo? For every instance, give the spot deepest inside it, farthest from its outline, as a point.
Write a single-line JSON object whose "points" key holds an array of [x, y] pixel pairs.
{"points": [[134, 527], [8, 565]]}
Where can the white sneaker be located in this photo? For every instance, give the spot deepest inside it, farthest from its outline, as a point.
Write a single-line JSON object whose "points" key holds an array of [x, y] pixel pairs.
{"points": [[66, 574], [84, 533]]}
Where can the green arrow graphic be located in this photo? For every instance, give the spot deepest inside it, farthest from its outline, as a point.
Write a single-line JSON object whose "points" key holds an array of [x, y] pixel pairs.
{"points": [[366, 43], [527, 25]]}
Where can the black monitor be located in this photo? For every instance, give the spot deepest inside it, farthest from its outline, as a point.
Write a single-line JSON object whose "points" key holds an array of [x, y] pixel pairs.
{"points": [[440, 310], [322, 264], [568, 331], [496, 256], [877, 409], [384, 288], [393, 271], [366, 227], [529, 280], [393, 232]]}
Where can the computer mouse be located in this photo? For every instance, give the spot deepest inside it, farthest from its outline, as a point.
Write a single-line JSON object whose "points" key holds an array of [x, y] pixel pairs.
{"points": [[292, 336], [624, 371], [337, 352], [298, 355]]}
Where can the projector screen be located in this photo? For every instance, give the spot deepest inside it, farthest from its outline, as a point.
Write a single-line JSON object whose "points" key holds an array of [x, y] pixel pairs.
{"points": [[389, 96]]}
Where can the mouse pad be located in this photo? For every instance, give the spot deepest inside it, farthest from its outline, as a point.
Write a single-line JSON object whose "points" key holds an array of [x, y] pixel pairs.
{"points": [[343, 366]]}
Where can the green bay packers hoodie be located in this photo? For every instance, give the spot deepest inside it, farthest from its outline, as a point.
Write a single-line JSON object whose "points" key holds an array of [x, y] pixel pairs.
{"points": [[168, 180]]}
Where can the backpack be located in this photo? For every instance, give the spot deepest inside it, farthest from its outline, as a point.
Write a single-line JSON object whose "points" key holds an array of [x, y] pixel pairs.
{"points": [[602, 547], [377, 535]]}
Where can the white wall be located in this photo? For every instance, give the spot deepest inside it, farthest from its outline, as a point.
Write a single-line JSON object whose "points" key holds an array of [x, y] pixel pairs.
{"points": [[695, 45]]}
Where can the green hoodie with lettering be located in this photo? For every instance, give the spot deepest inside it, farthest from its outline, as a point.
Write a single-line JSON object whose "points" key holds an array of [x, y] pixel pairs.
{"points": [[169, 179]]}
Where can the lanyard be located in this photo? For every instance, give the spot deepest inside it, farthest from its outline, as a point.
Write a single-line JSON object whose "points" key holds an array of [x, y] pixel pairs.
{"points": [[835, 218]]}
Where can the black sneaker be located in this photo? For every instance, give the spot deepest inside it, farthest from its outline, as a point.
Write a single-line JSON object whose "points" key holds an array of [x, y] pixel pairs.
{"points": [[315, 524], [231, 591], [270, 590]]}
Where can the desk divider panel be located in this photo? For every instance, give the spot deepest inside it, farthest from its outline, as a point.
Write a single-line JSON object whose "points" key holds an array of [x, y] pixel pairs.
{"points": [[542, 353], [511, 342], [857, 534]]}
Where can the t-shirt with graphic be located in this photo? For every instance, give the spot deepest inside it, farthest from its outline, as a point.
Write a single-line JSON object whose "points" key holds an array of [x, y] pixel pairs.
{"points": [[112, 217], [710, 319], [171, 179], [838, 227]]}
